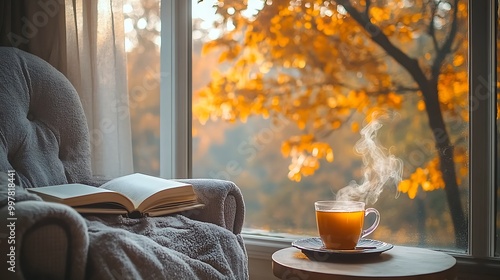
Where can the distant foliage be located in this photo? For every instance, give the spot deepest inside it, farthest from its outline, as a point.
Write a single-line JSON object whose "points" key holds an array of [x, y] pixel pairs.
{"points": [[318, 63]]}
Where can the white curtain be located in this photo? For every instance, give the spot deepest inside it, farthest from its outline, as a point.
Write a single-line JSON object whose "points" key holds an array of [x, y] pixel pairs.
{"points": [[96, 65]]}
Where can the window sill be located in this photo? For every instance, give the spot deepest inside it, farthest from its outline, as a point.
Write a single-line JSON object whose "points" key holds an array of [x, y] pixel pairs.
{"points": [[261, 247]]}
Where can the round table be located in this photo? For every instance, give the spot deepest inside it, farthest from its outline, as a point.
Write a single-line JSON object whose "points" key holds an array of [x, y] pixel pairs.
{"points": [[400, 262]]}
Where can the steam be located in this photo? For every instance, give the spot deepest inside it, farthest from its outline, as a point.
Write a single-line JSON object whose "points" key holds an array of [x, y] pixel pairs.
{"points": [[380, 167]]}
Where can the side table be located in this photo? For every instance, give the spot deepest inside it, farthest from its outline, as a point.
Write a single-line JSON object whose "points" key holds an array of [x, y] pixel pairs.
{"points": [[400, 262]]}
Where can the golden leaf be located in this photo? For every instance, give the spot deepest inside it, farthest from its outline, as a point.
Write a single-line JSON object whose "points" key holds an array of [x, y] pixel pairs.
{"points": [[329, 155], [427, 186], [404, 186], [458, 60], [421, 105], [412, 192]]}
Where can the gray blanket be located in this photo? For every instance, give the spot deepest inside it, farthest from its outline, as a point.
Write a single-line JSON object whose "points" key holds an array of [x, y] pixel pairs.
{"points": [[170, 247]]}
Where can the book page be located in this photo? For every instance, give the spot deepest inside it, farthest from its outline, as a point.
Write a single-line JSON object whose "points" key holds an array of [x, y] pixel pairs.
{"points": [[67, 190], [139, 187], [79, 194]]}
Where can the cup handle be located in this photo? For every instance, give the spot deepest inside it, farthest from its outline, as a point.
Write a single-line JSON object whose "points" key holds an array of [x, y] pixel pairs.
{"points": [[375, 223]]}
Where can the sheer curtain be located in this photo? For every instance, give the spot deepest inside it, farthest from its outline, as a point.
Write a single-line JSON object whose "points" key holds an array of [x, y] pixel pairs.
{"points": [[96, 65], [84, 39]]}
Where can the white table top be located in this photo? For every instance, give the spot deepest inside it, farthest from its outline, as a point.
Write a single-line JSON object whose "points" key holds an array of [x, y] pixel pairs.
{"points": [[397, 263]]}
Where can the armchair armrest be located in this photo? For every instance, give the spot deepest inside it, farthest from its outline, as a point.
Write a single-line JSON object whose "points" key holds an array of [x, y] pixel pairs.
{"points": [[223, 201], [51, 241]]}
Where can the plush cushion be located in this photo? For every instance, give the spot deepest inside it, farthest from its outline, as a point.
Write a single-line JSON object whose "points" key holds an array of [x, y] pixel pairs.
{"points": [[43, 130]]}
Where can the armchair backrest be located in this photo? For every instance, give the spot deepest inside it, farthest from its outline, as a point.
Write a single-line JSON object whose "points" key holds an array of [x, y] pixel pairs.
{"points": [[43, 130]]}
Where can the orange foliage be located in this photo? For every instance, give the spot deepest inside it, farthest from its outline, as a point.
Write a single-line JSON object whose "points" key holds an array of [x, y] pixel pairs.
{"points": [[429, 177], [305, 152], [312, 63]]}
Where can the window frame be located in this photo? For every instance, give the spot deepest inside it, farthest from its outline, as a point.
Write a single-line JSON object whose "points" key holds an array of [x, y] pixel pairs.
{"points": [[175, 127], [175, 89], [482, 128]]}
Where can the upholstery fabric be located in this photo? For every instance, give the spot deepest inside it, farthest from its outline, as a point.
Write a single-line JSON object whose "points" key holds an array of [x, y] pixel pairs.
{"points": [[51, 240], [45, 147], [223, 201]]}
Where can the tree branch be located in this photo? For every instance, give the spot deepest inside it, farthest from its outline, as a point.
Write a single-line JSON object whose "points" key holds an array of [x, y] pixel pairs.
{"points": [[367, 8], [432, 30], [446, 47], [398, 89], [376, 34]]}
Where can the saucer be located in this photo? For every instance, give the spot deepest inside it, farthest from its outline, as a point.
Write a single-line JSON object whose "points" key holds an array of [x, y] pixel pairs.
{"points": [[314, 246]]}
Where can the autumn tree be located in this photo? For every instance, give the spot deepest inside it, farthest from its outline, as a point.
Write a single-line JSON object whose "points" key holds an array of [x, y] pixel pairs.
{"points": [[318, 62]]}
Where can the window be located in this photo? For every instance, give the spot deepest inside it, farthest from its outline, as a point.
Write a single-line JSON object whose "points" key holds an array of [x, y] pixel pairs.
{"points": [[291, 93], [263, 146]]}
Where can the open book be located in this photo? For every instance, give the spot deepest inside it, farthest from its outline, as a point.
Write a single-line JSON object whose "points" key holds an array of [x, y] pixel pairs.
{"points": [[136, 194]]}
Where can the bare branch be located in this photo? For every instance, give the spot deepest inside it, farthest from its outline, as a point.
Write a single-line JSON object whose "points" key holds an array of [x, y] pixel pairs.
{"points": [[376, 34], [399, 89], [446, 47], [432, 30], [367, 8], [325, 133]]}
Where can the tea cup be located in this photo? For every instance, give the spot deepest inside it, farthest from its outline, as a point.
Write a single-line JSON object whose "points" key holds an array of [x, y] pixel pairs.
{"points": [[340, 223]]}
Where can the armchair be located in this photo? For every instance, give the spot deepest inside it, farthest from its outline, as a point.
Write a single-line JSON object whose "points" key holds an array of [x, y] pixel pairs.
{"points": [[44, 140]]}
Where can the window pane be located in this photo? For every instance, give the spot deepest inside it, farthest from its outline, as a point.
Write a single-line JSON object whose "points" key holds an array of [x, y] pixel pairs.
{"points": [[283, 89], [142, 29]]}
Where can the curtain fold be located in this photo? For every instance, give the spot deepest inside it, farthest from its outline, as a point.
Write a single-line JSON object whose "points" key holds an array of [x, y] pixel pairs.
{"points": [[85, 40], [96, 62]]}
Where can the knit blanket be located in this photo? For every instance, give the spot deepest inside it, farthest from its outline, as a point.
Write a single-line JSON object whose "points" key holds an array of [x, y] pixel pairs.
{"points": [[169, 247]]}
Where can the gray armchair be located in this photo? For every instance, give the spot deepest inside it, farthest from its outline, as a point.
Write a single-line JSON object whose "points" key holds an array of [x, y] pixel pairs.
{"points": [[44, 140]]}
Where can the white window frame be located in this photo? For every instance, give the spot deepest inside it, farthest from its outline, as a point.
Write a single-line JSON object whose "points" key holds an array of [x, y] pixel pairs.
{"points": [[175, 131], [175, 89]]}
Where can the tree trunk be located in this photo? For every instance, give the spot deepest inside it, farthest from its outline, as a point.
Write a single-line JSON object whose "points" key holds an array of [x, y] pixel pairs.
{"points": [[447, 165], [422, 217]]}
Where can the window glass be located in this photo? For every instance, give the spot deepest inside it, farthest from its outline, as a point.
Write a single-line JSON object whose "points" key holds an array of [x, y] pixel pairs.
{"points": [[285, 91], [142, 43]]}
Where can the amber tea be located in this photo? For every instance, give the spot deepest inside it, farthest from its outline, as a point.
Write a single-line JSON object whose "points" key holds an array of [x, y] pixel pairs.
{"points": [[340, 223]]}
